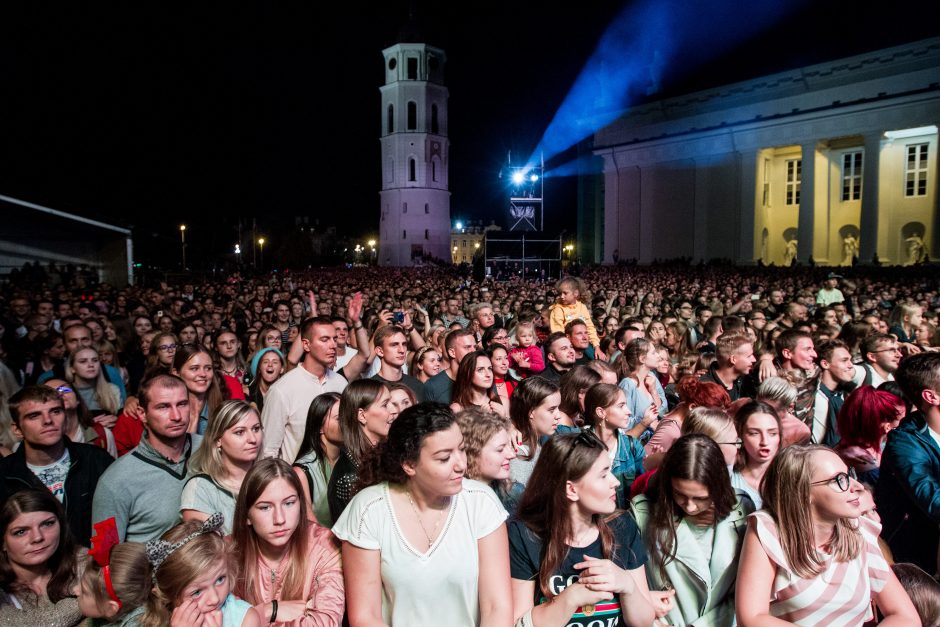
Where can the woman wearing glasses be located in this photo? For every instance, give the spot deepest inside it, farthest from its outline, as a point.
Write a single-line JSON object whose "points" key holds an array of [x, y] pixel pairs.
{"points": [[693, 524], [574, 560], [809, 557]]}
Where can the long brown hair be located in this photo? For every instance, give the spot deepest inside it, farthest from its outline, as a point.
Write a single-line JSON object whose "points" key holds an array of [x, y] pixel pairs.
{"points": [[694, 458], [358, 395], [215, 394], [62, 563], [463, 385], [545, 508], [247, 550], [130, 578], [786, 491], [572, 383], [527, 396]]}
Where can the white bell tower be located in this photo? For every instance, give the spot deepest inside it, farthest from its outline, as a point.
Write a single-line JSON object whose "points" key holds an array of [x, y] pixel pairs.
{"points": [[415, 201]]}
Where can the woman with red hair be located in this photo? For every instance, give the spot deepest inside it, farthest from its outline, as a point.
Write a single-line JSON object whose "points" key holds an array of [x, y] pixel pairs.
{"points": [[864, 421], [692, 393]]}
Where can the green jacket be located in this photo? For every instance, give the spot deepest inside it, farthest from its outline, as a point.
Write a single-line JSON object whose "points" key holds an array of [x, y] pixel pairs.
{"points": [[704, 584]]}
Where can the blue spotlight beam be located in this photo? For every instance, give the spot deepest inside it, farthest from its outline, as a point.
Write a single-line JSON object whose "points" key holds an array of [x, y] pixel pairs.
{"points": [[651, 39]]}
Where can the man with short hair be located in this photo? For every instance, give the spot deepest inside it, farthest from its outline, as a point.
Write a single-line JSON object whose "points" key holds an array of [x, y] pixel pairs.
{"points": [[559, 357], [631, 329], [344, 352], [47, 459], [776, 307], [391, 347], [457, 344], [734, 361], [908, 490], [454, 314], [797, 358], [796, 314], [830, 293], [284, 415], [282, 320], [141, 490], [881, 356], [836, 373], [577, 333]]}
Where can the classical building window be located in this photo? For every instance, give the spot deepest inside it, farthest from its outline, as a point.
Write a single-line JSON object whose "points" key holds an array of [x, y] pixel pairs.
{"points": [[794, 175], [434, 124], [427, 234], [404, 207], [434, 170], [412, 170], [915, 171], [391, 119], [851, 176], [404, 234], [412, 115], [412, 69], [427, 208]]}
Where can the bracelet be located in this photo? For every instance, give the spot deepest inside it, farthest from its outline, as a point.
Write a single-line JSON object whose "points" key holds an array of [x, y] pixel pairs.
{"points": [[357, 328], [273, 611], [409, 329]]}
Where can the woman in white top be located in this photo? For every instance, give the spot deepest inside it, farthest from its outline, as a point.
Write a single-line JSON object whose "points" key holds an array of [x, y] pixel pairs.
{"points": [[422, 545], [218, 467]]}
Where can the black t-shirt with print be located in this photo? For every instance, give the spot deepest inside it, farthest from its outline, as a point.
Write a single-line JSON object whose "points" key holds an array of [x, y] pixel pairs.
{"points": [[525, 555]]}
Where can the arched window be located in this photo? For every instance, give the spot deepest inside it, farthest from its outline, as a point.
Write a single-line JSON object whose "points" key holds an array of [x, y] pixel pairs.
{"points": [[412, 170], [434, 125], [412, 115], [391, 119]]}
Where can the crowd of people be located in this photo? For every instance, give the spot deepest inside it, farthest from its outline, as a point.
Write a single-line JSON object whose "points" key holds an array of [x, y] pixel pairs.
{"points": [[663, 445]]}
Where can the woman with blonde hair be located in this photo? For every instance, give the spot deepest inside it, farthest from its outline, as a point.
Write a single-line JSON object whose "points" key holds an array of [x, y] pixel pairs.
{"points": [[83, 370], [290, 565], [809, 556], [717, 424], [230, 447], [193, 364], [487, 440]]}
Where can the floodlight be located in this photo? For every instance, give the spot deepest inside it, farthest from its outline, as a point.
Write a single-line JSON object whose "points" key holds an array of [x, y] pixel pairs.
{"points": [[518, 177]]}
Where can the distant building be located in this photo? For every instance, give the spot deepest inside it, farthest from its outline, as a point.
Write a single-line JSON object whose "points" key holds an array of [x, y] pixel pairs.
{"points": [[832, 161], [415, 201], [467, 240]]}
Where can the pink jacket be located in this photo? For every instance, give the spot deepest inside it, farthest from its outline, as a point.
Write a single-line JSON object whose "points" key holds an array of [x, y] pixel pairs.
{"points": [[536, 362]]}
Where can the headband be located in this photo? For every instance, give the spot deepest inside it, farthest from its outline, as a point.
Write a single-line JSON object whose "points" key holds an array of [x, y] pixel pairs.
{"points": [[159, 550], [106, 538]]}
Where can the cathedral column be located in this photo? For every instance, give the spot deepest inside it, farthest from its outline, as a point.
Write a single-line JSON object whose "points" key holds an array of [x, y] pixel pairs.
{"points": [[747, 168], [868, 223], [806, 222]]}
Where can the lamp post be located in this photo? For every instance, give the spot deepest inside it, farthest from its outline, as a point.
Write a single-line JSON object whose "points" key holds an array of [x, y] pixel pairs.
{"points": [[371, 243], [261, 246], [183, 243]]}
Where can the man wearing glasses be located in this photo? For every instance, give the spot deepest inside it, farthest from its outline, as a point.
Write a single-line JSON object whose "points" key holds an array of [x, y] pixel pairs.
{"points": [[908, 491], [882, 357], [47, 459]]}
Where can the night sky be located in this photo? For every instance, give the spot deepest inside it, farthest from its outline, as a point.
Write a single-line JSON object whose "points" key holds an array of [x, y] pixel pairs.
{"points": [[148, 117]]}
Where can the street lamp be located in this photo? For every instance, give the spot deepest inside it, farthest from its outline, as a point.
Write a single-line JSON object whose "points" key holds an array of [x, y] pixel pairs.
{"points": [[372, 247], [183, 243], [261, 246]]}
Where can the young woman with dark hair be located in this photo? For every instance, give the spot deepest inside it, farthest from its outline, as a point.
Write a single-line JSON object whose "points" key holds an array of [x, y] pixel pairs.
{"points": [[290, 566], [864, 421], [417, 513], [693, 524], [606, 414], [809, 556], [758, 426], [474, 385], [573, 385], [575, 559], [364, 420], [37, 563], [503, 382], [319, 451], [533, 410]]}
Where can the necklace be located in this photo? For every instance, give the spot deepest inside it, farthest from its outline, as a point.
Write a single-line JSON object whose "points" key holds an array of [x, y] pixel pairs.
{"points": [[437, 524]]}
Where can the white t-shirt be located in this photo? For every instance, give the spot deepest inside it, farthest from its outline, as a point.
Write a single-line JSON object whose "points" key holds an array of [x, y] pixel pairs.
{"points": [[53, 476], [437, 587]]}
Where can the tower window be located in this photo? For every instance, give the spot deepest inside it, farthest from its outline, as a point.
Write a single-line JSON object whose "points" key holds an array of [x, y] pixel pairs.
{"points": [[412, 115], [404, 207], [390, 123], [434, 124], [412, 69], [915, 171], [434, 169], [427, 234], [794, 176], [412, 170], [404, 234], [851, 176], [427, 208]]}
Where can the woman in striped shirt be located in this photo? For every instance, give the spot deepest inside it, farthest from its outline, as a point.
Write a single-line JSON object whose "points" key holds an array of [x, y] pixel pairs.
{"points": [[810, 557]]}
